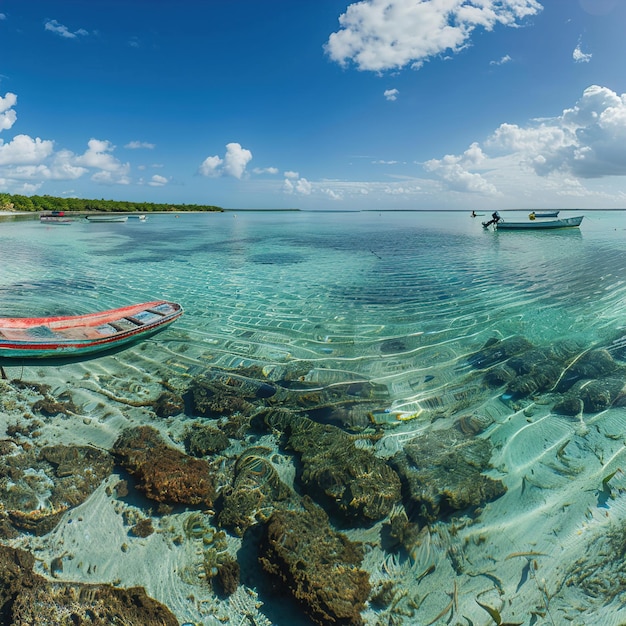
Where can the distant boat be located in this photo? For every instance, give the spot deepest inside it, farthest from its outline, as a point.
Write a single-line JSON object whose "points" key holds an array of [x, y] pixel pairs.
{"points": [[107, 218], [51, 219], [54, 217], [533, 215], [25, 337], [568, 222]]}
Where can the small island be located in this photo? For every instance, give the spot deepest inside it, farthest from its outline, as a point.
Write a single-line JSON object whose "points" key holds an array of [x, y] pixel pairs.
{"points": [[19, 203]]}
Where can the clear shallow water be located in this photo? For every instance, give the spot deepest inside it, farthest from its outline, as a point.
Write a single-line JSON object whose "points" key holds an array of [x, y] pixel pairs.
{"points": [[399, 299]]}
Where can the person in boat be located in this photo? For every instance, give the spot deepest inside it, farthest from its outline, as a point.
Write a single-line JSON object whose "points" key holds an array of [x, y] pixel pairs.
{"points": [[495, 218], [473, 213]]}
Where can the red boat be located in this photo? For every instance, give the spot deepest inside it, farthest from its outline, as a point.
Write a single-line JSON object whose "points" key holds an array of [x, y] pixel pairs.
{"points": [[76, 335]]}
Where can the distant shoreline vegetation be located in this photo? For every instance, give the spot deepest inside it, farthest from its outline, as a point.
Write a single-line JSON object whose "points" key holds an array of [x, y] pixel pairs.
{"points": [[16, 202]]}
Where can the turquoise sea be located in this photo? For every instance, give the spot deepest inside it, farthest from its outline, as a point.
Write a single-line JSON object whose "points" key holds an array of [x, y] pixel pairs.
{"points": [[410, 304]]}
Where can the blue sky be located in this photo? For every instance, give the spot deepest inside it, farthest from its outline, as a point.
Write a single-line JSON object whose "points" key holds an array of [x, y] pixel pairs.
{"points": [[316, 104]]}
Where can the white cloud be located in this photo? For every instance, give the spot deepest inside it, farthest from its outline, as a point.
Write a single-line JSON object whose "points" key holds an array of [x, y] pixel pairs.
{"points": [[98, 155], [381, 35], [64, 31], [579, 56], [233, 164], [7, 114], [236, 159], [505, 59], [211, 167], [391, 94], [3, 16], [158, 181], [25, 150], [585, 142], [25, 158], [333, 194], [105, 177], [136, 145], [291, 174], [297, 185], [265, 170], [63, 167], [455, 171]]}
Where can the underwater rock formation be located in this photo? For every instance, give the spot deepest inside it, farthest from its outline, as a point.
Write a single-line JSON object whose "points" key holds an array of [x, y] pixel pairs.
{"points": [[497, 351], [442, 472], [164, 473], [591, 396], [349, 481], [37, 487], [27, 598], [168, 404], [202, 440], [316, 565], [589, 380], [227, 578], [593, 364], [254, 494], [221, 394]]}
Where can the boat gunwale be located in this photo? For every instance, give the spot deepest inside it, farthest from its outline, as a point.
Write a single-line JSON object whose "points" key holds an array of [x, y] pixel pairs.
{"points": [[55, 345]]}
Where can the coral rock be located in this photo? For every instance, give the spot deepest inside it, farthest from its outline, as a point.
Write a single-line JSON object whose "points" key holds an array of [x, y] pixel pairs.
{"points": [[164, 473], [350, 481], [27, 598], [317, 565], [442, 473]]}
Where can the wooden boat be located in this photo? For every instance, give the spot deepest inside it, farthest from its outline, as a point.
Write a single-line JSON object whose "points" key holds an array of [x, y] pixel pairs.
{"points": [[568, 222], [77, 335], [544, 214], [107, 218], [55, 217], [51, 219]]}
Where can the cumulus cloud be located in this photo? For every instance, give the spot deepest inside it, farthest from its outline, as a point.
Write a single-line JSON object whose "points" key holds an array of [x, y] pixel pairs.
{"points": [[265, 170], [98, 155], [380, 35], [586, 141], [157, 181], [455, 171], [64, 31], [505, 59], [391, 94], [64, 167], [333, 194], [7, 114], [233, 164], [579, 56], [23, 149], [211, 166], [294, 184], [35, 160], [137, 145]]}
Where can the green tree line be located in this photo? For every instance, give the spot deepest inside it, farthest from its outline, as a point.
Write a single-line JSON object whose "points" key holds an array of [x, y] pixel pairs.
{"points": [[16, 202]]}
